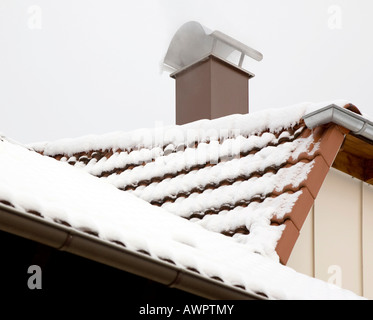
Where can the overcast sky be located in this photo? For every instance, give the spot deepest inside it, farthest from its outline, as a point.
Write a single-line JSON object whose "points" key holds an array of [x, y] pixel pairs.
{"points": [[75, 67]]}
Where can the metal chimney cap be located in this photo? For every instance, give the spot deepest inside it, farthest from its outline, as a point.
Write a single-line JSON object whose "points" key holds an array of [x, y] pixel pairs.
{"points": [[193, 42]]}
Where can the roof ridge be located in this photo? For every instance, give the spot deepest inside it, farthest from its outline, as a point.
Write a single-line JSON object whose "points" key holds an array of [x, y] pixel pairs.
{"points": [[272, 119]]}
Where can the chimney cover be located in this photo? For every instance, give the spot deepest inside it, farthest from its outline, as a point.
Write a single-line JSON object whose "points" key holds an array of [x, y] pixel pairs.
{"points": [[193, 42]]}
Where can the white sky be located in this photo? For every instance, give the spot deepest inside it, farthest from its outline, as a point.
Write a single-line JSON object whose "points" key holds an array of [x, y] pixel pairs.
{"points": [[93, 66]]}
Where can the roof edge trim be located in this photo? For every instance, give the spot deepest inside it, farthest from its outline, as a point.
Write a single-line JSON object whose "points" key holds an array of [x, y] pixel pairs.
{"points": [[93, 248]]}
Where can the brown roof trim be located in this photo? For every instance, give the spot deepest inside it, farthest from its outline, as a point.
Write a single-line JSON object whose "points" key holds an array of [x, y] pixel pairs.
{"points": [[340, 149], [287, 241], [330, 139]]}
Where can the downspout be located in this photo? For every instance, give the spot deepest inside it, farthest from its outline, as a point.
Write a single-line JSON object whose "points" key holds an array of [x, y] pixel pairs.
{"points": [[352, 121], [89, 246]]}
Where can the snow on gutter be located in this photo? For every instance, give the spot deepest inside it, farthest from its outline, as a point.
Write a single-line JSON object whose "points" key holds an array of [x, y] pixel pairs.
{"points": [[91, 247], [357, 124]]}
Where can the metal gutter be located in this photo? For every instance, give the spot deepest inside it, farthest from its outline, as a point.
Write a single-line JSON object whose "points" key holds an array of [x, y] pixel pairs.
{"points": [[352, 121], [71, 240]]}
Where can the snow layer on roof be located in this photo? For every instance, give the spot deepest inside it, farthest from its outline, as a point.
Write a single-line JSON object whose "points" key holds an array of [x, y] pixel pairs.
{"points": [[185, 193], [203, 170], [205, 153], [273, 119], [60, 192]]}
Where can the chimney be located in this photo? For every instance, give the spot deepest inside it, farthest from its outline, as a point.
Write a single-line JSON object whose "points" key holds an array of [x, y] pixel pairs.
{"points": [[208, 69]]}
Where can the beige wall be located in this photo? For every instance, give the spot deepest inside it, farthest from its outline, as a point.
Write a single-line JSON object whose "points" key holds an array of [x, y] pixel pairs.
{"points": [[336, 241]]}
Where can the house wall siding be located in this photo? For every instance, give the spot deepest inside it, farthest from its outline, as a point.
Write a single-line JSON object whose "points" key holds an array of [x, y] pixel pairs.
{"points": [[336, 241], [367, 235]]}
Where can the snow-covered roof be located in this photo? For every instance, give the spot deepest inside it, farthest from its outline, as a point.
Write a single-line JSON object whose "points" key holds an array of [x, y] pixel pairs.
{"points": [[239, 175], [212, 196]]}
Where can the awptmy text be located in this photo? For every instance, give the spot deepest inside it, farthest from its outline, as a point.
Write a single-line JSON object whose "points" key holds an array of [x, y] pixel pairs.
{"points": [[197, 309]]}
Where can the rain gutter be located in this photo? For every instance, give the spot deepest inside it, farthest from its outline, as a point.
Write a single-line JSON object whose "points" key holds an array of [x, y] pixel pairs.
{"points": [[352, 121], [71, 240]]}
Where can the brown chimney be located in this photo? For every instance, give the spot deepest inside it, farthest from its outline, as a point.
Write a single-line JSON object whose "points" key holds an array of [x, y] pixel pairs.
{"points": [[209, 89], [209, 84]]}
